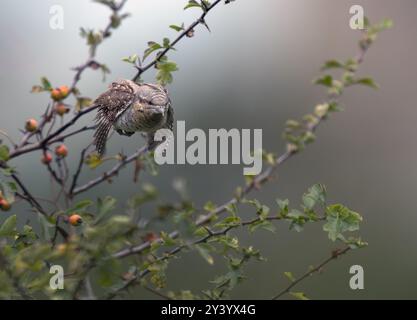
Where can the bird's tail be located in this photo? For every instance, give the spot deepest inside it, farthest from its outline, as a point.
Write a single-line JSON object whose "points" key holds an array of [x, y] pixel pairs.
{"points": [[100, 136]]}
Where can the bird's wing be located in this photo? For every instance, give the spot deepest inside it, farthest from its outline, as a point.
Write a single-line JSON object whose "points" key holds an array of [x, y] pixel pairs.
{"points": [[114, 101], [111, 104]]}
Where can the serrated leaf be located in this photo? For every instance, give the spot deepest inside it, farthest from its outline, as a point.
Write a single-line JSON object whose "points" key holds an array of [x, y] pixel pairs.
{"points": [[315, 195], [339, 220], [165, 69]]}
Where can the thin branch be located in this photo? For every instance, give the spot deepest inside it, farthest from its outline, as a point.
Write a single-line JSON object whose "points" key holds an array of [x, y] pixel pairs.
{"points": [[156, 292], [78, 171], [90, 60], [334, 256], [30, 198], [112, 172], [167, 255], [35, 204], [173, 43], [51, 170]]}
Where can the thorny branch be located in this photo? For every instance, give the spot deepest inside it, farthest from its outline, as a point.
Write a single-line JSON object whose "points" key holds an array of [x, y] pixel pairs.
{"points": [[184, 33], [334, 256]]}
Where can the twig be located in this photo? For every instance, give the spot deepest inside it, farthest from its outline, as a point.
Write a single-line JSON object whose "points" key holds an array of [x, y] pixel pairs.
{"points": [[171, 45], [210, 234], [334, 256], [78, 172], [112, 172], [90, 60], [31, 199], [52, 171]]}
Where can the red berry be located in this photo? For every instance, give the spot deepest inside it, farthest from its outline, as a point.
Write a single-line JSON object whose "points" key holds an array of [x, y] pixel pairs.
{"points": [[31, 125], [4, 205], [75, 220], [61, 151], [47, 158]]}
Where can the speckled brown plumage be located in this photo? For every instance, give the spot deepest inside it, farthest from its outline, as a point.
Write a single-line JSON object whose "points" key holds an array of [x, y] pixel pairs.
{"points": [[129, 107]]}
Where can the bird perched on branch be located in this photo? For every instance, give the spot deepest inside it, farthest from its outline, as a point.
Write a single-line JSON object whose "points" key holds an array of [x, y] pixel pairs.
{"points": [[129, 107]]}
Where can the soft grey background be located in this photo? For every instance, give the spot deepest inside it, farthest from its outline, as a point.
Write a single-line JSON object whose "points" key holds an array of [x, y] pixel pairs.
{"points": [[253, 71]]}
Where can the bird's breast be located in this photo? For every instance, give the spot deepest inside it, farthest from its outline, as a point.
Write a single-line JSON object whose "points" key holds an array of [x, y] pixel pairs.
{"points": [[138, 118]]}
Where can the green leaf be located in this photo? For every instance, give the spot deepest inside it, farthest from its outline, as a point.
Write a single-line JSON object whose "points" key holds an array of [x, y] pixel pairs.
{"points": [[8, 191], [165, 69], [227, 222], [263, 224], [131, 59], [166, 42], [204, 250], [177, 28], [339, 220], [83, 102], [369, 82], [289, 275], [326, 81], [4, 152], [153, 46], [109, 3], [104, 207], [167, 240], [45, 227], [8, 228], [299, 295], [315, 195], [46, 85], [192, 4], [93, 160], [209, 206], [82, 205], [283, 206], [332, 64]]}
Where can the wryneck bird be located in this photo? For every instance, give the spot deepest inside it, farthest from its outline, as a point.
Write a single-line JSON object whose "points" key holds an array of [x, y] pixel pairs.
{"points": [[129, 107]]}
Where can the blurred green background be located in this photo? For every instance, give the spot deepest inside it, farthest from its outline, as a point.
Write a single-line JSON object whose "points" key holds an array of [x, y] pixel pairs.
{"points": [[253, 70]]}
